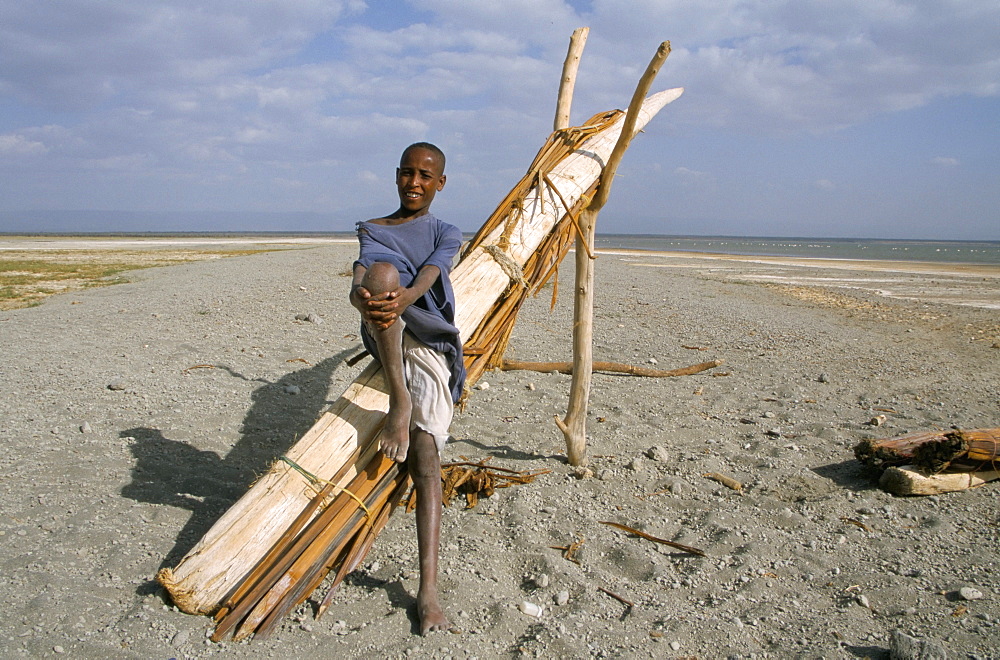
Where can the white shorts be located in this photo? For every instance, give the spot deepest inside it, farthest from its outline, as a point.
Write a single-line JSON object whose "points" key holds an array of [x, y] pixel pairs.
{"points": [[427, 375]]}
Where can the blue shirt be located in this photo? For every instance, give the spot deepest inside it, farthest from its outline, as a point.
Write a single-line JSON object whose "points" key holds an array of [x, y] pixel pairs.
{"points": [[423, 241]]}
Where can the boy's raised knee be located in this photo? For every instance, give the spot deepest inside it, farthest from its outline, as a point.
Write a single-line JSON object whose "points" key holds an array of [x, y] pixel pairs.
{"points": [[381, 277]]}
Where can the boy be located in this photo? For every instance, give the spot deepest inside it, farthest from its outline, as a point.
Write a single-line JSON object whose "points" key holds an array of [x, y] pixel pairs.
{"points": [[402, 290]]}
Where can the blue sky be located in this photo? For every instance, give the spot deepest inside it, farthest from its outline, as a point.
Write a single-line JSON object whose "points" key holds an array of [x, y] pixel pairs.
{"points": [[837, 118]]}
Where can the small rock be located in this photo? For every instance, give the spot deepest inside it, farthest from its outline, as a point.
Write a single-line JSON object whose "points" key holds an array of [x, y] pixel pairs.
{"points": [[181, 638], [774, 433], [117, 385], [676, 488], [309, 318], [652, 361], [904, 647], [970, 593], [561, 598], [85, 428], [531, 387], [637, 464], [658, 453], [863, 602], [542, 581], [483, 386], [531, 609], [604, 474], [823, 378], [675, 646], [293, 389], [581, 472], [307, 627], [58, 649], [877, 420]]}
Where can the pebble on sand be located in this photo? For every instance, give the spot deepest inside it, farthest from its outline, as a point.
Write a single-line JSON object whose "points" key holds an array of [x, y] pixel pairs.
{"points": [[658, 454], [531, 609], [970, 593]]}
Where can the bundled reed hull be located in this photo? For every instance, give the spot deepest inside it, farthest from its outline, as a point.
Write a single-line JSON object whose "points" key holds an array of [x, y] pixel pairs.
{"points": [[934, 451], [343, 440]]}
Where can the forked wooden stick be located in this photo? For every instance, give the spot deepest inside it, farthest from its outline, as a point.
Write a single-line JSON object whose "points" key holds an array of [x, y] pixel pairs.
{"points": [[573, 426]]}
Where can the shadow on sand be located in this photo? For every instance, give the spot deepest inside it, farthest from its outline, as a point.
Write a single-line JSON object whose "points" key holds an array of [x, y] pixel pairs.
{"points": [[174, 473]]}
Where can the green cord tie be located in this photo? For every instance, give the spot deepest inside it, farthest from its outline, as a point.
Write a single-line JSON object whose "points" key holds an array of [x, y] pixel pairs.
{"points": [[313, 479]]}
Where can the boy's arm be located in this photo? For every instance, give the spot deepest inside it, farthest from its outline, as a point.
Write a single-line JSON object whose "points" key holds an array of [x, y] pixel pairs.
{"points": [[406, 296]]}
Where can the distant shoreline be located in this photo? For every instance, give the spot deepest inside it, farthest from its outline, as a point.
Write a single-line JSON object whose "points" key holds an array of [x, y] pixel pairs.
{"points": [[600, 236], [894, 265], [903, 260]]}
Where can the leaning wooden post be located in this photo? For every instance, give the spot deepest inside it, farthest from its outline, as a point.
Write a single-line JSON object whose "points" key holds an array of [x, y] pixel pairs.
{"points": [[574, 426], [568, 81]]}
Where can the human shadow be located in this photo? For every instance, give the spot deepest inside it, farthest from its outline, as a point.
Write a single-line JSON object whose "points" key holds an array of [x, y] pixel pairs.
{"points": [[174, 473]]}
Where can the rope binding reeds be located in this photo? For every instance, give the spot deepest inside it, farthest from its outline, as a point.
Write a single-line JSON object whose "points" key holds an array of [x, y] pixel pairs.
{"points": [[316, 480]]}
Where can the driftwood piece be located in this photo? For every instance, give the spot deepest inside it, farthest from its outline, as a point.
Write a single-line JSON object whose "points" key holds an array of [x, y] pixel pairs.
{"points": [[574, 424], [631, 530], [906, 480], [725, 480], [569, 551], [934, 451], [609, 367], [567, 83], [629, 605]]}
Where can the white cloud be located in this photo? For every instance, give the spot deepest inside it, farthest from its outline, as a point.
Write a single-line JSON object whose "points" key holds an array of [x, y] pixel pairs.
{"points": [[20, 145], [76, 54], [688, 175], [945, 161], [250, 97], [789, 66]]}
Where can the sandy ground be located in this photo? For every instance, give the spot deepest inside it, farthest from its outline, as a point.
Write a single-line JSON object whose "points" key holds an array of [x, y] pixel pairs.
{"points": [[105, 485]]}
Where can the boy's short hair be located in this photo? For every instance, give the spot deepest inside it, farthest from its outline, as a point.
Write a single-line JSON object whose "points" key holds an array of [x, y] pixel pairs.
{"points": [[433, 148]]}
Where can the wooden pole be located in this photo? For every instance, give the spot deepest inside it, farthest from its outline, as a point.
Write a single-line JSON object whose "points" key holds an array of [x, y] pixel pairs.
{"points": [[574, 427], [568, 81], [609, 367]]}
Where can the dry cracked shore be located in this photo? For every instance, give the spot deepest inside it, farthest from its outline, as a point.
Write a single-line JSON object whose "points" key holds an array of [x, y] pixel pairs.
{"points": [[134, 415]]}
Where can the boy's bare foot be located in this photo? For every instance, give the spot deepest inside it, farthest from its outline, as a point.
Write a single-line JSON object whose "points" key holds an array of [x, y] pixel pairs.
{"points": [[431, 615], [395, 438]]}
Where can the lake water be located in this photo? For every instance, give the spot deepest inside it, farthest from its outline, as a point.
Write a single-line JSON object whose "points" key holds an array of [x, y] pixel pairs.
{"points": [[967, 252]]}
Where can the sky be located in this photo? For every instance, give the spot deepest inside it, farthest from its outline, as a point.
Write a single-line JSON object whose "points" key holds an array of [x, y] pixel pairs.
{"points": [[827, 118]]}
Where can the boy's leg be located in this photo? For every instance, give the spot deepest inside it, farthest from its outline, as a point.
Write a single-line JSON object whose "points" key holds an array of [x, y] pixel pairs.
{"points": [[395, 438], [424, 465]]}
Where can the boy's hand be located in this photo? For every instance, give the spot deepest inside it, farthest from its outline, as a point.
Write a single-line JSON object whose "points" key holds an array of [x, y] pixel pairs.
{"points": [[379, 311]]}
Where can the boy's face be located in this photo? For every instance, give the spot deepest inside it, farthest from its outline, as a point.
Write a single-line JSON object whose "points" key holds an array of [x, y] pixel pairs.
{"points": [[418, 179]]}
